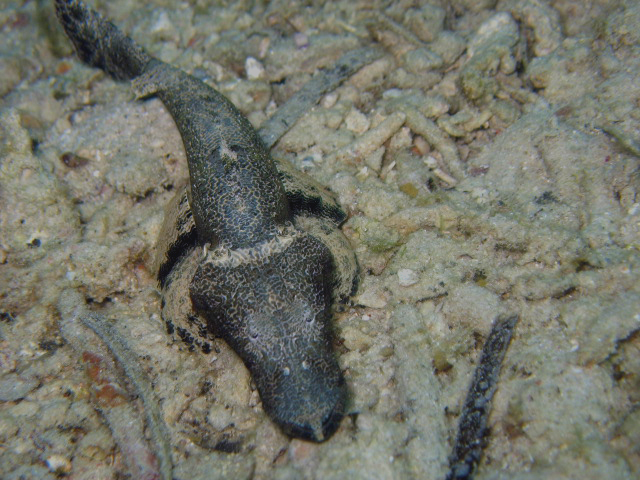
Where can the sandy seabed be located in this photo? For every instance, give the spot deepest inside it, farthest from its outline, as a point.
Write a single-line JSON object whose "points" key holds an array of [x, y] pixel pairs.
{"points": [[488, 162]]}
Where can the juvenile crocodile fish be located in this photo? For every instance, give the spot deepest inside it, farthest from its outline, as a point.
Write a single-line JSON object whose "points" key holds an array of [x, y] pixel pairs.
{"points": [[250, 250]]}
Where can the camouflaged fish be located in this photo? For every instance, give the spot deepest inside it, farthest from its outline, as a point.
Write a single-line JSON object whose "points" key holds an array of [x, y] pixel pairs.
{"points": [[250, 250]]}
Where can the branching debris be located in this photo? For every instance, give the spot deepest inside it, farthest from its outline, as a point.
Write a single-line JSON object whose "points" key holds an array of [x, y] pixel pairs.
{"points": [[436, 137], [309, 95]]}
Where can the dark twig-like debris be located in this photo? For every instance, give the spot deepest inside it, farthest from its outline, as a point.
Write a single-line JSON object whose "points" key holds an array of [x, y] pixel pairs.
{"points": [[475, 413]]}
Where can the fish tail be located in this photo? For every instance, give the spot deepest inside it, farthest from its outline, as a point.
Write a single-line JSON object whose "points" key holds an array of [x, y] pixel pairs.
{"points": [[99, 42]]}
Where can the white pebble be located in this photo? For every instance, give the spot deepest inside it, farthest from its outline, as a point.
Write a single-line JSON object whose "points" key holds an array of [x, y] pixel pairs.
{"points": [[407, 277], [254, 69], [329, 100], [58, 464], [163, 24]]}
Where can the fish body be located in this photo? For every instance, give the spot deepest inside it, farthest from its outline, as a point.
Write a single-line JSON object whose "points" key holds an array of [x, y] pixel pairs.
{"points": [[250, 250]]}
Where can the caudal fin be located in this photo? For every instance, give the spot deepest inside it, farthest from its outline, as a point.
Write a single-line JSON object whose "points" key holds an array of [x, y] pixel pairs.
{"points": [[99, 42]]}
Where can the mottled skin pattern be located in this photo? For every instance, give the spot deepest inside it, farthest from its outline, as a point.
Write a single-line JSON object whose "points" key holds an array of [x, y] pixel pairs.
{"points": [[228, 163], [250, 250]]}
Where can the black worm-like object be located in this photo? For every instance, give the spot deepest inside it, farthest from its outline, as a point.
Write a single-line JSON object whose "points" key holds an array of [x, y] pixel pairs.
{"points": [[251, 251], [472, 428]]}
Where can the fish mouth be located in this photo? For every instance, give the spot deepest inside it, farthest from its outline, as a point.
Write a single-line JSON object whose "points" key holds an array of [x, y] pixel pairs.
{"points": [[310, 407], [323, 431], [317, 431]]}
